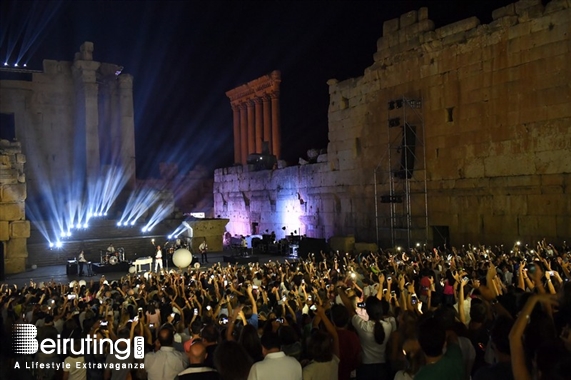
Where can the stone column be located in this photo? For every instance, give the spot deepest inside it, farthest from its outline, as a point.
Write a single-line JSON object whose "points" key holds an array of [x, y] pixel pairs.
{"points": [[243, 134], [276, 124], [267, 122], [251, 130], [258, 105], [127, 128], [237, 141], [87, 118]]}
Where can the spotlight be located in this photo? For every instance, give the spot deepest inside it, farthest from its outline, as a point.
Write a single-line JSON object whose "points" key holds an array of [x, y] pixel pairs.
{"points": [[125, 223], [85, 225], [119, 224], [58, 244], [89, 215], [133, 223], [15, 65], [62, 234], [25, 65], [78, 226], [68, 233], [170, 237], [418, 244], [144, 229], [398, 249], [51, 245], [5, 63], [518, 243], [104, 214], [100, 214]]}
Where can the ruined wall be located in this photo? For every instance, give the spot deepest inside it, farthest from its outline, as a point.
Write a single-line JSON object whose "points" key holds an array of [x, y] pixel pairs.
{"points": [[496, 103], [73, 119], [14, 228]]}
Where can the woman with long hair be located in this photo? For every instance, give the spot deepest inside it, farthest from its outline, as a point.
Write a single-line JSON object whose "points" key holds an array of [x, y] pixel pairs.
{"points": [[373, 334]]}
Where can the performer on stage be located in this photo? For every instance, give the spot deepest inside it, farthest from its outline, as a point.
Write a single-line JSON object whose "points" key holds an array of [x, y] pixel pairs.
{"points": [[110, 249], [203, 248], [81, 260], [158, 256]]}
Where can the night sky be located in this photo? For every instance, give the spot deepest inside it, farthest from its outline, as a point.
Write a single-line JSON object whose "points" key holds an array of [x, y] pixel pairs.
{"points": [[185, 55]]}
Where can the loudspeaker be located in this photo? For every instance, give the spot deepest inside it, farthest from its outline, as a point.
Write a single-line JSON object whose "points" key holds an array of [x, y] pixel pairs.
{"points": [[312, 245], [407, 152]]}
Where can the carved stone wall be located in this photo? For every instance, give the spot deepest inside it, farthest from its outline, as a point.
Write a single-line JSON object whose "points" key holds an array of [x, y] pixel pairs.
{"points": [[14, 228], [73, 119], [497, 119]]}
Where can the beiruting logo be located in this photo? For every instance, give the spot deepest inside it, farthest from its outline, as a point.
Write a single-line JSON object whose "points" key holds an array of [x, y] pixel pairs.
{"points": [[25, 342]]}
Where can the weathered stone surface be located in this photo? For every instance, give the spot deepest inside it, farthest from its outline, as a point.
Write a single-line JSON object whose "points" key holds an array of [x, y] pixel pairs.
{"points": [[423, 14], [457, 27], [408, 18], [508, 10], [12, 193], [390, 26], [20, 229], [4, 230], [490, 168]]}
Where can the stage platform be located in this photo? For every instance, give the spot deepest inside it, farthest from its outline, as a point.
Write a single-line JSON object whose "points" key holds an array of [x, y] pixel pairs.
{"points": [[122, 267], [241, 259]]}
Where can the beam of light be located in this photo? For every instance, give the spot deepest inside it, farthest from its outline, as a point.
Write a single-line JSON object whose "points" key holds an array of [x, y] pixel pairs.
{"points": [[138, 203], [39, 19], [161, 212]]}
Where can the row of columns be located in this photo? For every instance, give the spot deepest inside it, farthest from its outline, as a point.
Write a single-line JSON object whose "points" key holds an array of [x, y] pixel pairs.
{"points": [[256, 120]]}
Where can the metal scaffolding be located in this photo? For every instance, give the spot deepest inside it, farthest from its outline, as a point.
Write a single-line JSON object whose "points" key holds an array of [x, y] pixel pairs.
{"points": [[401, 203]]}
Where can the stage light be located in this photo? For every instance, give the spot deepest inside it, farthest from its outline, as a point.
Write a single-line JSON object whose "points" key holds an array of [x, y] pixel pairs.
{"points": [[58, 244], [25, 65], [518, 243], [89, 215], [68, 233], [15, 65], [51, 245], [5, 63], [104, 214], [101, 214], [119, 224], [418, 244], [133, 223], [125, 223], [62, 234], [78, 226], [144, 229], [85, 225], [169, 237]]}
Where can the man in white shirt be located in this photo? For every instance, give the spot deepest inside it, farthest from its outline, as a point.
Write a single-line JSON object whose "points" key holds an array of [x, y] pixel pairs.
{"points": [[275, 364], [158, 259], [166, 363]]}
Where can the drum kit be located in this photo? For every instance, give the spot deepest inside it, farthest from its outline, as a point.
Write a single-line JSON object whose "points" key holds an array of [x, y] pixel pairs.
{"points": [[112, 258]]}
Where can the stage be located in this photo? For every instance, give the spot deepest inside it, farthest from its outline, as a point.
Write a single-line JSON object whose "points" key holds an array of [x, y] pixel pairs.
{"points": [[122, 267], [241, 259]]}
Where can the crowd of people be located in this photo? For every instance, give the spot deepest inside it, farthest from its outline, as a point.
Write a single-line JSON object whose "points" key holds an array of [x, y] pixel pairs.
{"points": [[474, 312]]}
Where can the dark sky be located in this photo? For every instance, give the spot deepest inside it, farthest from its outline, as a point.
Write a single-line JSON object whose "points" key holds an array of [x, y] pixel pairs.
{"points": [[184, 56]]}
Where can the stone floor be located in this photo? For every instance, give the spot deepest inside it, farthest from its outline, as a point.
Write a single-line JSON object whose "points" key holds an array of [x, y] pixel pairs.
{"points": [[58, 272]]}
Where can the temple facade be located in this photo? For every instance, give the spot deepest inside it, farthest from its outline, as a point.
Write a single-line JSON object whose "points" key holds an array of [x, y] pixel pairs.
{"points": [[256, 113], [456, 134]]}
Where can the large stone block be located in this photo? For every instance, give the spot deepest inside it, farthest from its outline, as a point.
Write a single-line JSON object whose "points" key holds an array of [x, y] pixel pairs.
{"points": [[13, 192], [20, 229], [508, 10], [457, 27], [15, 265], [408, 18], [4, 230], [390, 26], [342, 243], [12, 211]]}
